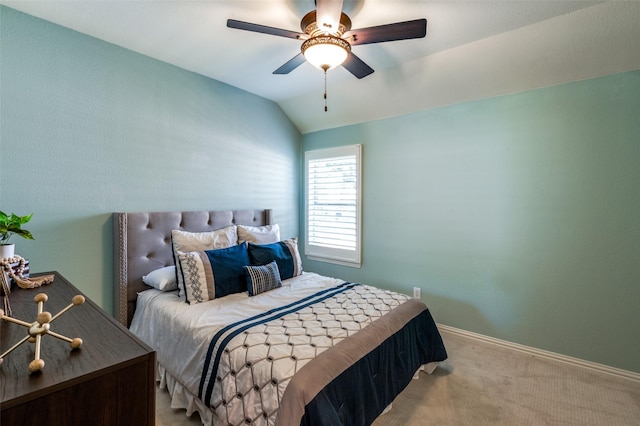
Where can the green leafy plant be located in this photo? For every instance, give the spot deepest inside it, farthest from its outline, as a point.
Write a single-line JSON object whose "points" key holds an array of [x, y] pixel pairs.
{"points": [[12, 224]]}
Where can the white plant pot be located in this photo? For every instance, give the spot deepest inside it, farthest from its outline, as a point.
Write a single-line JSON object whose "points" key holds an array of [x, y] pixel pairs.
{"points": [[7, 251]]}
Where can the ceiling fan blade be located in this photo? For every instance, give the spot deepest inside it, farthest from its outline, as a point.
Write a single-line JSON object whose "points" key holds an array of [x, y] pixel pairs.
{"points": [[328, 15], [390, 32], [291, 64], [356, 66], [256, 28]]}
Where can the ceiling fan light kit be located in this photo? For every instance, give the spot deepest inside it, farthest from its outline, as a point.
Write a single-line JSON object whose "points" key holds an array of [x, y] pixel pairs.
{"points": [[325, 51], [328, 40]]}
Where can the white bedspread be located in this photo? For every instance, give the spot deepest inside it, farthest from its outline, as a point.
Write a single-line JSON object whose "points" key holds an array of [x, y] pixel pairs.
{"points": [[307, 315], [181, 333]]}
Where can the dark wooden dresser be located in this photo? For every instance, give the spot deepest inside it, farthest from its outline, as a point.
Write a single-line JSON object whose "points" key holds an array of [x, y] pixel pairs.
{"points": [[109, 380]]}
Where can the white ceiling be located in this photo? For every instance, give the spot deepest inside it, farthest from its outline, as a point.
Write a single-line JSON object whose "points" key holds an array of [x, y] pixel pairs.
{"points": [[473, 49]]}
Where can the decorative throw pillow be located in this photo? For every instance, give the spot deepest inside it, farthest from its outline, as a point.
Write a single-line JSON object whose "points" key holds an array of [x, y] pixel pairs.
{"points": [[213, 274], [285, 253], [262, 278], [184, 241], [266, 234], [163, 279]]}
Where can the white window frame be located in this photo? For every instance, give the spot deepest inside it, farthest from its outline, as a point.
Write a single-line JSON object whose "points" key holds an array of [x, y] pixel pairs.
{"points": [[338, 256]]}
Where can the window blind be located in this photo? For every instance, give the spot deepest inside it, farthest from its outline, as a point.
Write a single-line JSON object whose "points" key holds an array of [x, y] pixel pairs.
{"points": [[333, 204]]}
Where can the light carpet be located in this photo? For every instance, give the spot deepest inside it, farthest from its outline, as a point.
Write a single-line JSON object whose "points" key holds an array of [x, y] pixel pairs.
{"points": [[486, 384]]}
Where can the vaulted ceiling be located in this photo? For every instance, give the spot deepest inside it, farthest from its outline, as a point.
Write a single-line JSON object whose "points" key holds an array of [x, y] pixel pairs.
{"points": [[473, 49]]}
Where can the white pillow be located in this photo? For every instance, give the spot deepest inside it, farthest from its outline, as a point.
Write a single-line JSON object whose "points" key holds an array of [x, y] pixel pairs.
{"points": [[199, 241], [266, 234], [163, 279], [185, 242]]}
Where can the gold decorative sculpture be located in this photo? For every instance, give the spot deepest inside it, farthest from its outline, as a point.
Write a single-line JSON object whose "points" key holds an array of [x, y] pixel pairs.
{"points": [[40, 327]]}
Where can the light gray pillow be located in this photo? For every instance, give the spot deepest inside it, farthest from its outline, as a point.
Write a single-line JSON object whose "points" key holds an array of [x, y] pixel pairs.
{"points": [[266, 234]]}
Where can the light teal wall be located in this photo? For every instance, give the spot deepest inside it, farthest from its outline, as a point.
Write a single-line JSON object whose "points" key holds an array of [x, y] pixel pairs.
{"points": [[88, 128], [518, 216], [527, 206]]}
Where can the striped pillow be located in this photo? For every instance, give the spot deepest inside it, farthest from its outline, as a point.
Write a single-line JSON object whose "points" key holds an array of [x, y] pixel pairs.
{"points": [[212, 274], [183, 242], [262, 278]]}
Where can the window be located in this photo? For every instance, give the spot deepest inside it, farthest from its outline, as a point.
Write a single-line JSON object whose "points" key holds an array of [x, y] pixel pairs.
{"points": [[333, 204]]}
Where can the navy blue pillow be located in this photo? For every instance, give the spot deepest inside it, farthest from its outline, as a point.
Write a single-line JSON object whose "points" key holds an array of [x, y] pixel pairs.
{"points": [[228, 272], [285, 253]]}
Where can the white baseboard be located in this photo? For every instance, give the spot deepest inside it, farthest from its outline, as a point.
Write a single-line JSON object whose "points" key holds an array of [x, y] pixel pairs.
{"points": [[544, 354]]}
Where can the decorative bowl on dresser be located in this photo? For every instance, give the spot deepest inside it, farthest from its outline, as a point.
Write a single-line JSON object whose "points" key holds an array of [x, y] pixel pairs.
{"points": [[109, 380]]}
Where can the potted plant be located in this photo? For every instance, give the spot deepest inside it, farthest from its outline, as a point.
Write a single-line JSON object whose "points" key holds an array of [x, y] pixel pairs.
{"points": [[10, 225]]}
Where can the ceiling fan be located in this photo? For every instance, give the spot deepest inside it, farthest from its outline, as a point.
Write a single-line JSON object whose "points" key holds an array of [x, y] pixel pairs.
{"points": [[327, 38]]}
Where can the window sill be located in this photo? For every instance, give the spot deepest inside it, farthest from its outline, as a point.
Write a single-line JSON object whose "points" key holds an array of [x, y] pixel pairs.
{"points": [[334, 261]]}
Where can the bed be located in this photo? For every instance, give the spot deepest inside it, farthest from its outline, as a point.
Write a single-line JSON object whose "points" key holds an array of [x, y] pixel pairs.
{"points": [[293, 347]]}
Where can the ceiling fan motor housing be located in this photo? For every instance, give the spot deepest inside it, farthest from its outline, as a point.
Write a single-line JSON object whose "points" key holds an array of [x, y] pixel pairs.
{"points": [[309, 25]]}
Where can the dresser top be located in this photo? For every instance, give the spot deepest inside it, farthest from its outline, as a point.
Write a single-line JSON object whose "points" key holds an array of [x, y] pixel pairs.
{"points": [[106, 346]]}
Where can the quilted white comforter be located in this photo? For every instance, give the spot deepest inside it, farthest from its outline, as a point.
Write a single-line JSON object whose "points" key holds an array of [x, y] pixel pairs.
{"points": [[241, 370]]}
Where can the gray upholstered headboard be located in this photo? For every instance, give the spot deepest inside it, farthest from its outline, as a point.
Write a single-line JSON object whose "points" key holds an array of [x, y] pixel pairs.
{"points": [[142, 243]]}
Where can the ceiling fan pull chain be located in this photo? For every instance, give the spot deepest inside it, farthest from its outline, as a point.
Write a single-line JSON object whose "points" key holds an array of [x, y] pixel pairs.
{"points": [[325, 91], [325, 68]]}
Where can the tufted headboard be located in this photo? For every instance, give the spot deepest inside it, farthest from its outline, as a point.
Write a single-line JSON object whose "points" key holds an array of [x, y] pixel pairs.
{"points": [[142, 243]]}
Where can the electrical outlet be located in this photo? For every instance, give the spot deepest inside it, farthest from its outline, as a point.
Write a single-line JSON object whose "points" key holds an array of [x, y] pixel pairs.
{"points": [[416, 293]]}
